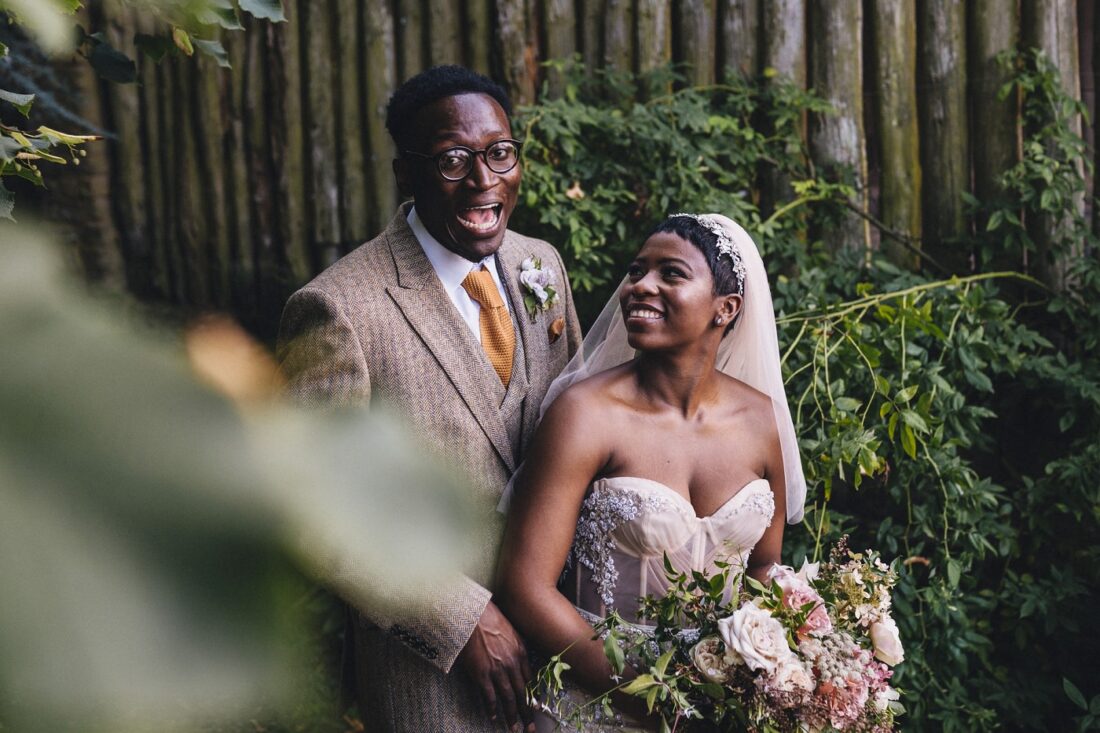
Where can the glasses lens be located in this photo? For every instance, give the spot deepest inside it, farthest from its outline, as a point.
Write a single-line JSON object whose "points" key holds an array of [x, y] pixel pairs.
{"points": [[502, 156], [454, 163]]}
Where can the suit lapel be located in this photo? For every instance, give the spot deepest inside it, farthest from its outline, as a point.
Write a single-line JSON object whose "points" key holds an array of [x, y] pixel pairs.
{"points": [[429, 311], [509, 259]]}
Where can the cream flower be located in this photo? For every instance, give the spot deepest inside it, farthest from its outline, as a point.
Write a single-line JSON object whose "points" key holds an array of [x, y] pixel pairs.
{"points": [[887, 641], [757, 636], [711, 663], [792, 675]]}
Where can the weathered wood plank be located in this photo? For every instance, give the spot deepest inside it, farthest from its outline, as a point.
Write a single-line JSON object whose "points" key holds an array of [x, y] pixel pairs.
{"points": [[1051, 25], [943, 129], [654, 34], [993, 27], [379, 84], [189, 224], [287, 144], [739, 49], [209, 130], [323, 193], [837, 141], [349, 133], [894, 40], [618, 35], [158, 276], [269, 257], [242, 278], [560, 22], [445, 45], [698, 36], [518, 49], [477, 35], [591, 20], [409, 25], [783, 25]]}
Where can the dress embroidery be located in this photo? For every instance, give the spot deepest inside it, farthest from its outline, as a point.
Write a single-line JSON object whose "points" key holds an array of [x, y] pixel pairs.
{"points": [[603, 511]]}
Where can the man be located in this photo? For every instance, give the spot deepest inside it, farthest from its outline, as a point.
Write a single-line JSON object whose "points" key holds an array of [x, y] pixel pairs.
{"points": [[431, 320]]}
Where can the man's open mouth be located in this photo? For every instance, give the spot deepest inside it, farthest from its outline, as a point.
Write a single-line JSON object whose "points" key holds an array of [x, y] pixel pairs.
{"points": [[481, 218]]}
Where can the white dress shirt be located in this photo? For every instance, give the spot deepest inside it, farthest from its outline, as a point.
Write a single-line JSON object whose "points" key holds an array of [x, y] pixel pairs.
{"points": [[452, 269]]}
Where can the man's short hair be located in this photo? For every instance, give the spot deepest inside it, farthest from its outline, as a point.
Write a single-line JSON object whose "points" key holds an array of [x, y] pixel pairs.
{"points": [[432, 85]]}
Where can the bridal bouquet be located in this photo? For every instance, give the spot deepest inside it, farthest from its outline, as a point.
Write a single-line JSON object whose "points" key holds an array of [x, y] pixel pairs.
{"points": [[810, 650]]}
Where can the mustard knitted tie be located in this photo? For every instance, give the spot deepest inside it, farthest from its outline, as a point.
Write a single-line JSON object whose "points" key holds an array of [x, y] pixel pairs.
{"points": [[497, 337]]}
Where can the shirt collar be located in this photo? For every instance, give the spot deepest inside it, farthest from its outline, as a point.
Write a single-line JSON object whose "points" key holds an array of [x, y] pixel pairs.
{"points": [[451, 268]]}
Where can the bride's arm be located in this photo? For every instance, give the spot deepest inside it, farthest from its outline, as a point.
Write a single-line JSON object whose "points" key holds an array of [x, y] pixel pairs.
{"points": [[568, 451], [768, 550]]}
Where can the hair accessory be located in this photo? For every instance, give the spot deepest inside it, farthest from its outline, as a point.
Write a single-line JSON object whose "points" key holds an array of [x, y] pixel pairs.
{"points": [[726, 245]]}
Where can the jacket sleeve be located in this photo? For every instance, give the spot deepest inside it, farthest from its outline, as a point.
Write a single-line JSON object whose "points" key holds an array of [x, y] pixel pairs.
{"points": [[324, 363], [572, 323]]}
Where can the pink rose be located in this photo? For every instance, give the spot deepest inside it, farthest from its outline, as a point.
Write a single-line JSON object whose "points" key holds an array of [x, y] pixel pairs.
{"points": [[797, 592]]}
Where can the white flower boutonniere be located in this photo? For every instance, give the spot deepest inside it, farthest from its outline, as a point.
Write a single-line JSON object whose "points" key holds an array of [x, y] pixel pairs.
{"points": [[538, 286]]}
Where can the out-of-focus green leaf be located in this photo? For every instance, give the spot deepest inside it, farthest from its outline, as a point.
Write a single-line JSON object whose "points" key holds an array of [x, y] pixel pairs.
{"points": [[7, 202], [22, 102], [214, 49], [154, 47], [9, 146], [110, 63], [149, 528], [182, 39], [266, 9]]}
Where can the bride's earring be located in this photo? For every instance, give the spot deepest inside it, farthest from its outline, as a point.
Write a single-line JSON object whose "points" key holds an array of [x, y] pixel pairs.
{"points": [[719, 321]]}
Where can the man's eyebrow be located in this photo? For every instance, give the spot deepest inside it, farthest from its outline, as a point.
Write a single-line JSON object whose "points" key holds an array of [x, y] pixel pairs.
{"points": [[446, 135]]}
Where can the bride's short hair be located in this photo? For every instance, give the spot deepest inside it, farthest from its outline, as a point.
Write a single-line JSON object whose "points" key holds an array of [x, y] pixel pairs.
{"points": [[706, 241]]}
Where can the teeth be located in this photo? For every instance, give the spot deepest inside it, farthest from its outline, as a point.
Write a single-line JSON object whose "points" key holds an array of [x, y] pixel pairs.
{"points": [[487, 225], [646, 313]]}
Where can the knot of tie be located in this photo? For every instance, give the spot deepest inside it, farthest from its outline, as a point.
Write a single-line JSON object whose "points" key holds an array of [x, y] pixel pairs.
{"points": [[498, 339]]}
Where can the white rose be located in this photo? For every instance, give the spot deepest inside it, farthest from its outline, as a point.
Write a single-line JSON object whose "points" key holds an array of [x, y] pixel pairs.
{"points": [[791, 675], [712, 665], [759, 638], [528, 264], [887, 641], [883, 698], [808, 571]]}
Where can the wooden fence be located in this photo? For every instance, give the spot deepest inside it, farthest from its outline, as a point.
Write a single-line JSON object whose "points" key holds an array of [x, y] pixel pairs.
{"points": [[226, 189]]}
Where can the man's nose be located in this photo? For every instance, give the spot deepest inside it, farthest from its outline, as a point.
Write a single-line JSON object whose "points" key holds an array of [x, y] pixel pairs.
{"points": [[481, 174]]}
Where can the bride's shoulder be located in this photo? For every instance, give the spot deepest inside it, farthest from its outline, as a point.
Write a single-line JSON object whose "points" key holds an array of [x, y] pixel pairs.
{"points": [[600, 391], [746, 401]]}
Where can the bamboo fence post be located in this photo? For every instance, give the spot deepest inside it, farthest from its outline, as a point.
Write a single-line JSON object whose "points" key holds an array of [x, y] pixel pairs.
{"points": [[190, 232], [698, 36], [477, 35], [287, 144], [559, 21], [379, 84], [209, 129], [894, 33], [1086, 48], [837, 140], [1051, 25], [591, 18], [994, 26], [654, 34], [270, 278], [238, 190], [409, 31], [618, 51], [444, 44], [943, 129], [739, 49], [349, 130], [783, 25], [518, 49], [323, 192]]}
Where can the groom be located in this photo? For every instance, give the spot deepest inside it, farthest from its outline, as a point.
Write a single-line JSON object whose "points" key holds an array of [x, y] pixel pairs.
{"points": [[431, 319]]}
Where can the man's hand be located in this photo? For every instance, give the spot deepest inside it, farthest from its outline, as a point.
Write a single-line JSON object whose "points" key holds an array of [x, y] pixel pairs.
{"points": [[496, 660]]}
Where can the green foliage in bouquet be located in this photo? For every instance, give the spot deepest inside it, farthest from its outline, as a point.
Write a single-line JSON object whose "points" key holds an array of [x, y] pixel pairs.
{"points": [[951, 422]]}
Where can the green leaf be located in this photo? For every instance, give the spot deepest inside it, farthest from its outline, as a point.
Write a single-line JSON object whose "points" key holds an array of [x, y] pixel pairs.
{"points": [[904, 395], [21, 102], [914, 420], [154, 47], [266, 9], [1074, 694], [639, 684], [614, 653], [713, 690], [111, 64], [215, 50], [7, 202], [662, 662], [3, 50], [908, 440], [9, 147], [847, 404], [182, 39], [651, 698], [954, 571]]}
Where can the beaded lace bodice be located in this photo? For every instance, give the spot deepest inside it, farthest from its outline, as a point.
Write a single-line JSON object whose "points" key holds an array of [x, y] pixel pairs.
{"points": [[628, 524]]}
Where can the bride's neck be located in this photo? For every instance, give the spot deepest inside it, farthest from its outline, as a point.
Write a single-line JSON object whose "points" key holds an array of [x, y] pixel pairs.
{"points": [[683, 382]]}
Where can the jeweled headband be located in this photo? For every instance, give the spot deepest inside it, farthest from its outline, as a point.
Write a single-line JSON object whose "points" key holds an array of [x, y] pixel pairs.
{"points": [[726, 245]]}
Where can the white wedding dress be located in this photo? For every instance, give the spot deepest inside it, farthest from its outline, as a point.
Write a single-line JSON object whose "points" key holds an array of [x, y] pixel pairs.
{"points": [[626, 527]]}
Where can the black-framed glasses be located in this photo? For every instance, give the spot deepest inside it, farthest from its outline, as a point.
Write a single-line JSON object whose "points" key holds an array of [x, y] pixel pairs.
{"points": [[455, 163]]}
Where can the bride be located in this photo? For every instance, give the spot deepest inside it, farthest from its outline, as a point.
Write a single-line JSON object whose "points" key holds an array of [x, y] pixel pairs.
{"points": [[669, 433]]}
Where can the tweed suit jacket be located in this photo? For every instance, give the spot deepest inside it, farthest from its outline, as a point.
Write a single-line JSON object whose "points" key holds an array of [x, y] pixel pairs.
{"points": [[377, 328]]}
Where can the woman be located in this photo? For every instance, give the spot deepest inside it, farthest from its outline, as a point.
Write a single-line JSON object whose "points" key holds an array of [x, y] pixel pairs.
{"points": [[684, 449]]}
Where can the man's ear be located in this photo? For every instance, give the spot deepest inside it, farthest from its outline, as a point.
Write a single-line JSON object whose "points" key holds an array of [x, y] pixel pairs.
{"points": [[403, 176]]}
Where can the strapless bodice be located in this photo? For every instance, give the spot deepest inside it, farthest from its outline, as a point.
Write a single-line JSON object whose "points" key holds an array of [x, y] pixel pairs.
{"points": [[627, 525]]}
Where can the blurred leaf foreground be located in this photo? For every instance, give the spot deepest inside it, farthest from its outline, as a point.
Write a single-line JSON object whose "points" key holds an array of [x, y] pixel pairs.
{"points": [[153, 533]]}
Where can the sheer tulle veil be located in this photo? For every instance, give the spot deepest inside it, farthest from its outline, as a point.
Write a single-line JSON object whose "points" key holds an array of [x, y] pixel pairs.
{"points": [[749, 352]]}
